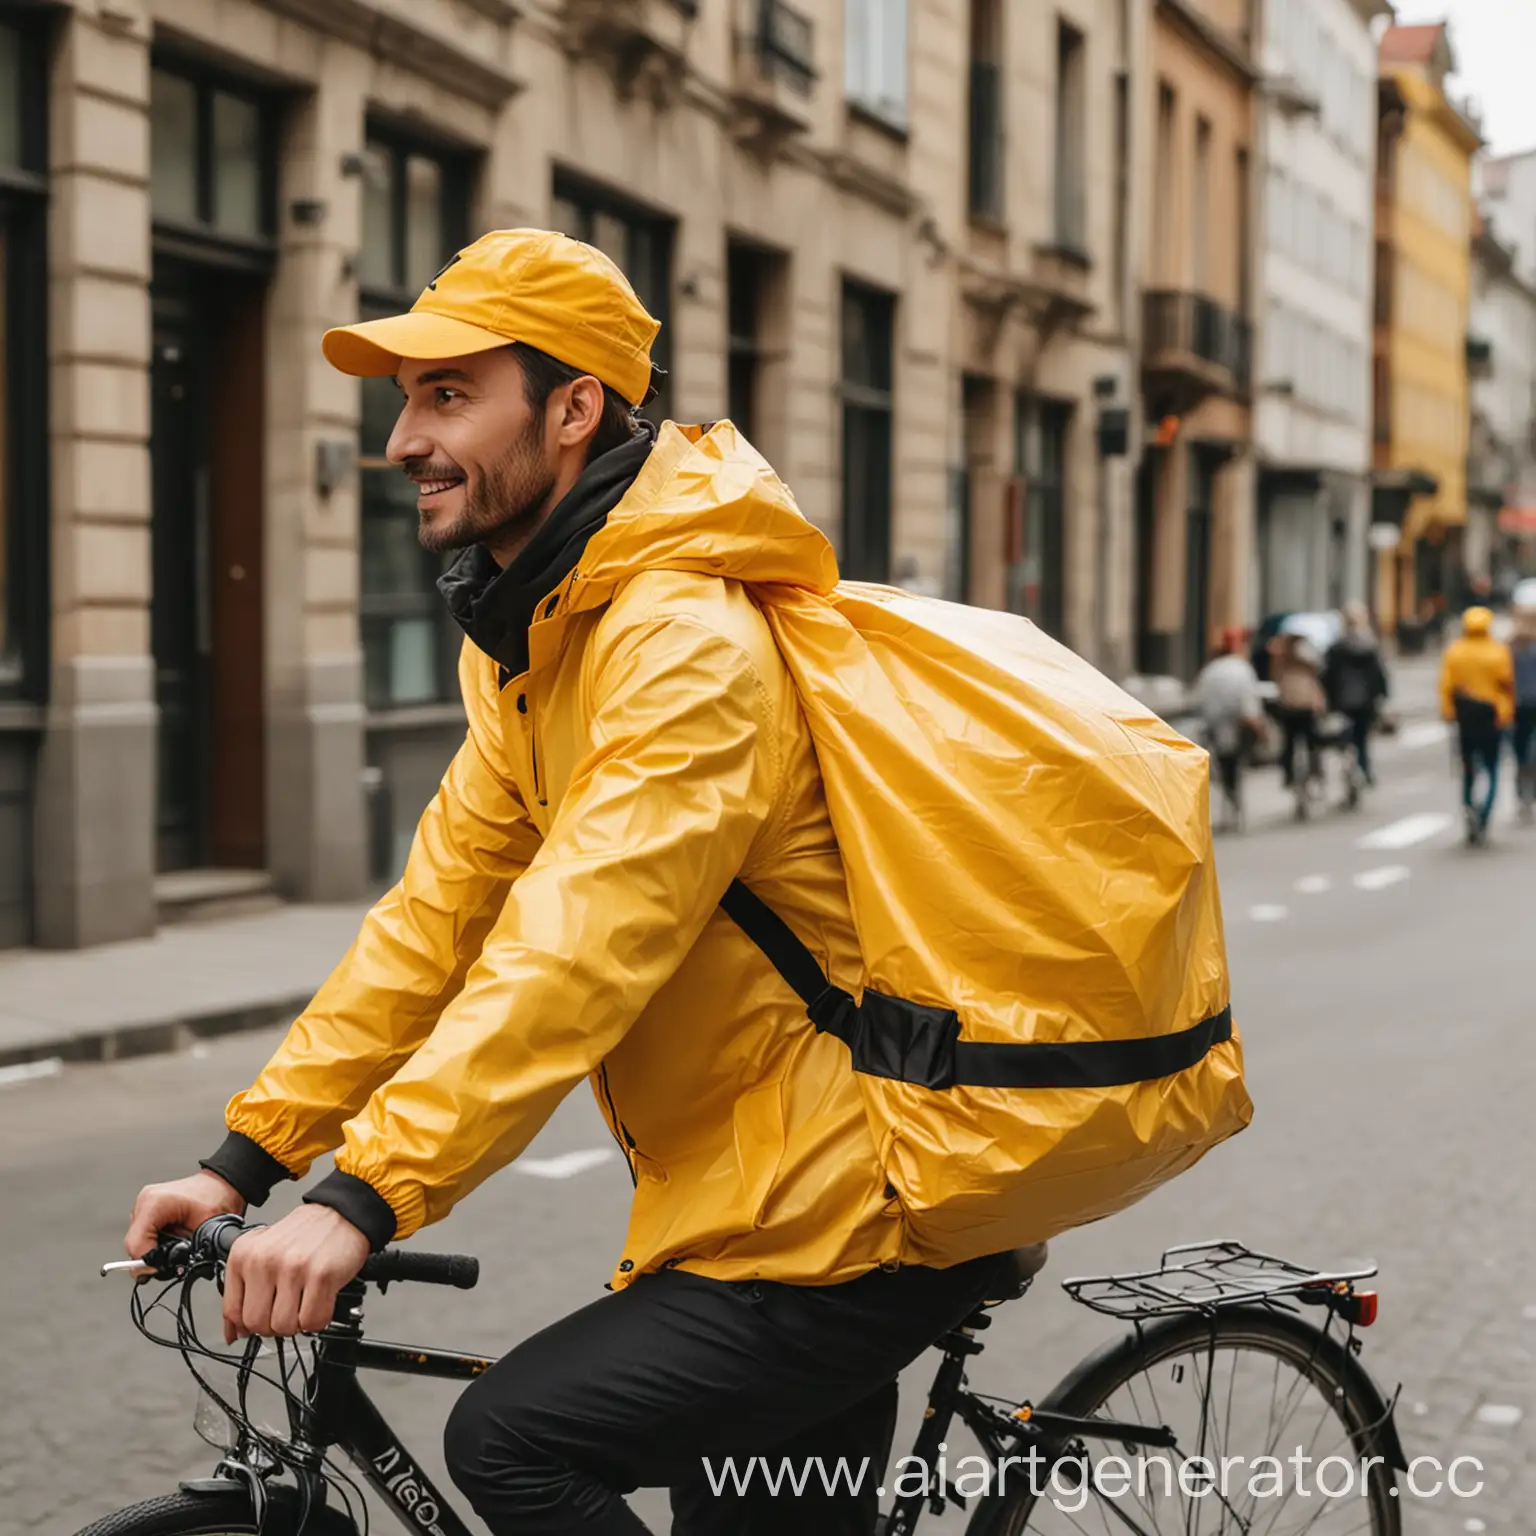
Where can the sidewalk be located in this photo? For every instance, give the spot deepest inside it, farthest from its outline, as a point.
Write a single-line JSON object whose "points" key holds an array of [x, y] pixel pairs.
{"points": [[191, 981]]}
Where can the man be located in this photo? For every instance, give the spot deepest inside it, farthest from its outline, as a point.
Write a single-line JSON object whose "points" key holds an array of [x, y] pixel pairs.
{"points": [[1355, 681], [1227, 693], [635, 742], [1523, 737], [1477, 692]]}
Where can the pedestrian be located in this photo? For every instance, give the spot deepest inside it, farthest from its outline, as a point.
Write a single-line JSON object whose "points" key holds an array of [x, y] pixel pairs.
{"points": [[1355, 682], [1524, 734], [1477, 693], [1295, 668], [1232, 711]]}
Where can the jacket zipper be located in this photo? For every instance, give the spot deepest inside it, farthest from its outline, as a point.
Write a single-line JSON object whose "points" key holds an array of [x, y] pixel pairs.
{"points": [[533, 754], [620, 1130]]}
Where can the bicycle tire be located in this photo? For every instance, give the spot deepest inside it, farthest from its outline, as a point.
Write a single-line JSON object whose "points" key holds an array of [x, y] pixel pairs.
{"points": [[187, 1513], [1256, 1330]]}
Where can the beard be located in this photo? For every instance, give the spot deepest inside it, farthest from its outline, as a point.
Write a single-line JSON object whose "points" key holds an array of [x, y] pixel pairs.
{"points": [[504, 502]]}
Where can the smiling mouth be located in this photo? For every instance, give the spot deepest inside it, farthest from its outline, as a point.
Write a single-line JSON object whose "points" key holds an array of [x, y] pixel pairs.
{"points": [[436, 487]]}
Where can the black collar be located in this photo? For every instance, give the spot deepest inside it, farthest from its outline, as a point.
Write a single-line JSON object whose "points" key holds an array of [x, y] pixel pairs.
{"points": [[495, 606]]}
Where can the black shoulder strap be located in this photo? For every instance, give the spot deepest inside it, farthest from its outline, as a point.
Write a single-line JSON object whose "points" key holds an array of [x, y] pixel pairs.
{"points": [[889, 1037]]}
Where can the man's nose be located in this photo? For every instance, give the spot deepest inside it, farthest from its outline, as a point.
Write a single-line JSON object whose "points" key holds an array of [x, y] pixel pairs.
{"points": [[407, 440]]}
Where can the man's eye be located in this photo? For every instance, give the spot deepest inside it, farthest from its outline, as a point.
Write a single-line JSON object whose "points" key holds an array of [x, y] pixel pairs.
{"points": [[444, 394]]}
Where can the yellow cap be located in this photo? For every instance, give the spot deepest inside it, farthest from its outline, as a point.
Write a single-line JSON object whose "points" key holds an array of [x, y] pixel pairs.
{"points": [[528, 285], [1477, 621]]}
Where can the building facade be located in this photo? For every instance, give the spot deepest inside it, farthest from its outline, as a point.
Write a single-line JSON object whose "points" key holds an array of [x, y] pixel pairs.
{"points": [[1313, 385], [1195, 478], [1423, 296], [225, 673], [1502, 463]]}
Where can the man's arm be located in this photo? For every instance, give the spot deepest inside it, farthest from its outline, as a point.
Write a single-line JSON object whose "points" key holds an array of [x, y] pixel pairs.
{"points": [[660, 814], [411, 957]]}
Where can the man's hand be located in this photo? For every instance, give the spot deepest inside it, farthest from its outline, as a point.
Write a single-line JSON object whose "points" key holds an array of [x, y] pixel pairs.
{"points": [[181, 1207], [283, 1279]]}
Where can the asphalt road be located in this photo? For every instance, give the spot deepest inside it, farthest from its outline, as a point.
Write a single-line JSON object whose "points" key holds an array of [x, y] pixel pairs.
{"points": [[1384, 985]]}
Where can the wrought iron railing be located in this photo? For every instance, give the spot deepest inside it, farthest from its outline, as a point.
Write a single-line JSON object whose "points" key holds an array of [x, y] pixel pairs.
{"points": [[1193, 323], [786, 41]]}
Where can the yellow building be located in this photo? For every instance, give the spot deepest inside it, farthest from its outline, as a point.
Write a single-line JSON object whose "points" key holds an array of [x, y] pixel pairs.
{"points": [[1423, 297]]}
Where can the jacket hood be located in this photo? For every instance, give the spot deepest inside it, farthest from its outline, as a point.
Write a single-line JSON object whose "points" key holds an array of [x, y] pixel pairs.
{"points": [[707, 502], [1477, 622]]}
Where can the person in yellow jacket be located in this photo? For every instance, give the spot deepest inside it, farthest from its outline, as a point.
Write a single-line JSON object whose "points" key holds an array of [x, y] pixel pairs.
{"points": [[634, 743], [1477, 692]]}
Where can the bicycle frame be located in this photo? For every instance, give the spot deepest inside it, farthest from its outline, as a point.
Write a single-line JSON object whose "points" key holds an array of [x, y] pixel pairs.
{"points": [[340, 1413]]}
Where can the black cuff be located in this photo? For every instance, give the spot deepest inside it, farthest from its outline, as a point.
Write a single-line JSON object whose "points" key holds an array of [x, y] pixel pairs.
{"points": [[360, 1203], [247, 1166]]}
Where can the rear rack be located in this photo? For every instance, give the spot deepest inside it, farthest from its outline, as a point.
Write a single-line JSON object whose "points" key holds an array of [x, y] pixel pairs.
{"points": [[1202, 1277]]}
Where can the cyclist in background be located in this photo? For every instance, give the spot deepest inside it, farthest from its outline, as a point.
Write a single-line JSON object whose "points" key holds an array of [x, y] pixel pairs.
{"points": [[1227, 693], [1295, 667], [1355, 682], [1477, 691]]}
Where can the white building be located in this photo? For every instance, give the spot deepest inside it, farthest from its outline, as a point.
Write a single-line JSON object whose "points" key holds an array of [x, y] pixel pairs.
{"points": [[1312, 388], [1501, 526]]}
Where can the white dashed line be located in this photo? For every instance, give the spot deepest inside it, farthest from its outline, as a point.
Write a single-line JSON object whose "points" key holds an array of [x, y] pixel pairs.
{"points": [[1380, 879], [565, 1165], [1423, 733], [1314, 885], [1407, 831], [30, 1071], [1529, 1313], [1269, 914], [1500, 1415]]}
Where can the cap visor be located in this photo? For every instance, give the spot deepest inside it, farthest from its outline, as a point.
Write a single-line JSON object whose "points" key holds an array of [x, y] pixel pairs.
{"points": [[375, 348]]}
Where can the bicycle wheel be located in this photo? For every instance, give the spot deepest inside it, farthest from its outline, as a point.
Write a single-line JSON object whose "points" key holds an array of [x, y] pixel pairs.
{"points": [[219, 1514], [1277, 1387]]}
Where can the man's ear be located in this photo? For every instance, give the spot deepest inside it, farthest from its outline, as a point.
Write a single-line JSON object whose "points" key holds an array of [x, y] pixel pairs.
{"points": [[582, 411]]}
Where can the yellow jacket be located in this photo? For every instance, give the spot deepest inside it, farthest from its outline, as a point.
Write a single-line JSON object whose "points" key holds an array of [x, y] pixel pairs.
{"points": [[558, 916], [1479, 667]]}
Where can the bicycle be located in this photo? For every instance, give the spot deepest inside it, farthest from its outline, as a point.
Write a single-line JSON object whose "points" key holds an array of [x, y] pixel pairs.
{"points": [[1208, 1312]]}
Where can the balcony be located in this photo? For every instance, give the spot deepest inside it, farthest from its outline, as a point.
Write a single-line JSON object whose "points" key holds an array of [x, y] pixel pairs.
{"points": [[1479, 357], [775, 71], [1192, 348], [640, 42]]}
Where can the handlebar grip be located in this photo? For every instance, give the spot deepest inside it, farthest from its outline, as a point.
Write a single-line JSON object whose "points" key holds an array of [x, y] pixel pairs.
{"points": [[456, 1269]]}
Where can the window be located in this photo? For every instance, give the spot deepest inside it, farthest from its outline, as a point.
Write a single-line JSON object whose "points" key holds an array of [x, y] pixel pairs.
{"points": [[747, 277], [1167, 186], [23, 365], [639, 243], [1071, 130], [1037, 578], [210, 156], [875, 57], [1243, 255], [868, 326], [415, 216], [1200, 209], [986, 126]]}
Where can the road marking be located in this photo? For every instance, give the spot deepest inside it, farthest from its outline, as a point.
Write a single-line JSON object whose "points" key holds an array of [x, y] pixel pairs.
{"points": [[1423, 733], [564, 1165], [1406, 831], [1380, 879], [1529, 1313], [1314, 885], [29, 1071], [1500, 1415], [1269, 913]]}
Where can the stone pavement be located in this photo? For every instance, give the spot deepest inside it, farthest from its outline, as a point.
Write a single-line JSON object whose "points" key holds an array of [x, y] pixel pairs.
{"points": [[190, 981]]}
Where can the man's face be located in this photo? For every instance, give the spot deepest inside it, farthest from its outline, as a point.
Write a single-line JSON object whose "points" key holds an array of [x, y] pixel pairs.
{"points": [[484, 464]]}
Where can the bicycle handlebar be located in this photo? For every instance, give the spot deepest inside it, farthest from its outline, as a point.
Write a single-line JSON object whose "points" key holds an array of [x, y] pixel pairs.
{"points": [[216, 1236]]}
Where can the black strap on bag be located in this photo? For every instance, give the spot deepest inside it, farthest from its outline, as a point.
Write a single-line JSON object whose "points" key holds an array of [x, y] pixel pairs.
{"points": [[919, 1044]]}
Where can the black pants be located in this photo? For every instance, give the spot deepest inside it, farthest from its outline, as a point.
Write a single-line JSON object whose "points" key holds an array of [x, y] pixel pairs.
{"points": [[1360, 723], [1524, 741], [1300, 726], [637, 1389]]}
